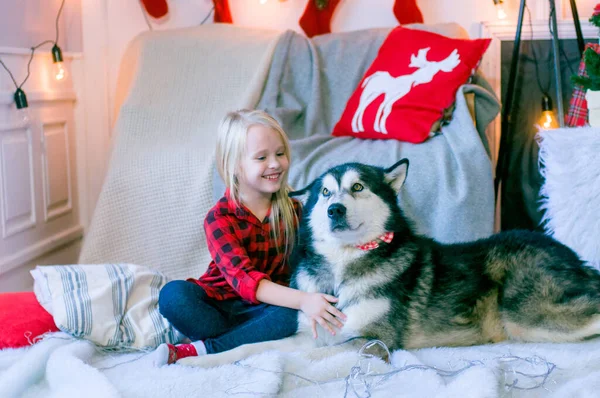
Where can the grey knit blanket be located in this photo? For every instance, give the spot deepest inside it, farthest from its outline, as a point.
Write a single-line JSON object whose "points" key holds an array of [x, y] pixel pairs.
{"points": [[449, 191]]}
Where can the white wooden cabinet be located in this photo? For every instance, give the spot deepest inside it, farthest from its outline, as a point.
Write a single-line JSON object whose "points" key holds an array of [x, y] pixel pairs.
{"points": [[39, 204]]}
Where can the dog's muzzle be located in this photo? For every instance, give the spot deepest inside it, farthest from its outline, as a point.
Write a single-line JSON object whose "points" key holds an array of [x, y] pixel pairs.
{"points": [[337, 214]]}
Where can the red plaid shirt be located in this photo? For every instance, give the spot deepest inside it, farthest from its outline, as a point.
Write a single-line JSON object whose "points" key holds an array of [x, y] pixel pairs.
{"points": [[578, 113], [244, 252]]}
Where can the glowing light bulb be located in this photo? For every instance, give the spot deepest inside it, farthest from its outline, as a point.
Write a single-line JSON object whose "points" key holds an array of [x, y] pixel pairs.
{"points": [[500, 9], [548, 119], [58, 70], [263, 1]]}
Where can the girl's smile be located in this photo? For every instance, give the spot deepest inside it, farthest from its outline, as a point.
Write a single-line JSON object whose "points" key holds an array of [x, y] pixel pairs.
{"points": [[273, 177]]}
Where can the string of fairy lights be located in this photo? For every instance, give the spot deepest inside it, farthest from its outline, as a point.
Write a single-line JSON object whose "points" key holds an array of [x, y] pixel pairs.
{"points": [[59, 71]]}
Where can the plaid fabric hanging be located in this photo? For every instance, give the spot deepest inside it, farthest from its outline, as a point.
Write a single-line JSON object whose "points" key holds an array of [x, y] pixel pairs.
{"points": [[578, 112]]}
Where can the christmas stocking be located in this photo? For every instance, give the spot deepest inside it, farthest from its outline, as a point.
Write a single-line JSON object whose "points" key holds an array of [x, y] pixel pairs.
{"points": [[156, 8], [222, 13], [316, 19], [407, 11]]}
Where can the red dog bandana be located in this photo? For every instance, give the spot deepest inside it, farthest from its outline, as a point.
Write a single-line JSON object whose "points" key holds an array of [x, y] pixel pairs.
{"points": [[374, 244]]}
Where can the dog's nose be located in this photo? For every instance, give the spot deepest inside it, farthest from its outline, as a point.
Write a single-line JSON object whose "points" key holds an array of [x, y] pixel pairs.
{"points": [[336, 210]]}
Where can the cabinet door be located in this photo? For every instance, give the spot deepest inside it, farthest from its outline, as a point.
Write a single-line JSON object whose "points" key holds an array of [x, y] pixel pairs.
{"points": [[38, 191]]}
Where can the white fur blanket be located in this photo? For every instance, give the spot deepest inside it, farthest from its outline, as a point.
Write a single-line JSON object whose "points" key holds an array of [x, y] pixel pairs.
{"points": [[61, 366], [570, 165]]}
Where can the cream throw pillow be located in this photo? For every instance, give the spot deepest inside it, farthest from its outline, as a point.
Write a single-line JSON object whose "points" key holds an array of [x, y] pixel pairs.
{"points": [[112, 305]]}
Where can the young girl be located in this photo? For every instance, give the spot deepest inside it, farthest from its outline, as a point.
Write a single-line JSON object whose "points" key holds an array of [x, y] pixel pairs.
{"points": [[243, 296]]}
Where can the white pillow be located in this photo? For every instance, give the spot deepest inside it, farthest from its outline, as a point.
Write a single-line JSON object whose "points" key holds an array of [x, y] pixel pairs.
{"points": [[112, 305], [40, 289]]}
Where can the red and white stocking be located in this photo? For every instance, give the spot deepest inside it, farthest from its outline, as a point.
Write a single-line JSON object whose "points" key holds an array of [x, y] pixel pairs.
{"points": [[407, 11], [156, 8], [316, 19]]}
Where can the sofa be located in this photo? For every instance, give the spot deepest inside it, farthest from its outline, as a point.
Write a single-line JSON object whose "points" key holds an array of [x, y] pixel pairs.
{"points": [[173, 89], [161, 180]]}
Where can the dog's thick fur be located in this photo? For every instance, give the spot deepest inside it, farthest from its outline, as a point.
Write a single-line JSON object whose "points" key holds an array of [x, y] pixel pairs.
{"points": [[415, 292]]}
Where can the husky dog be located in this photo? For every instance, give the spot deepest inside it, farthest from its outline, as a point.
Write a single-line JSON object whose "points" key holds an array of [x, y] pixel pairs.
{"points": [[410, 291]]}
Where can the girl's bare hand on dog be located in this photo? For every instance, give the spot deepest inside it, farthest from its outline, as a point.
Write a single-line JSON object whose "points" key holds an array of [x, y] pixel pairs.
{"points": [[317, 306]]}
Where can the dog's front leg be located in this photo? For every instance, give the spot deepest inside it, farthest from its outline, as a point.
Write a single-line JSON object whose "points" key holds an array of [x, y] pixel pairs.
{"points": [[297, 342]]}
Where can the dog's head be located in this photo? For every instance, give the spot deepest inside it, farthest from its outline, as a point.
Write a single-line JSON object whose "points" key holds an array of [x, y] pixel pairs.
{"points": [[353, 203]]}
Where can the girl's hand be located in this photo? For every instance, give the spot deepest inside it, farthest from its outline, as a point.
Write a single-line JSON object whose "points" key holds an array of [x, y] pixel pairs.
{"points": [[318, 308]]}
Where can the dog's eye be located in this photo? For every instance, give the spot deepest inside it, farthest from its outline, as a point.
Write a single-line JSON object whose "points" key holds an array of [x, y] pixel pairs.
{"points": [[357, 187], [325, 192]]}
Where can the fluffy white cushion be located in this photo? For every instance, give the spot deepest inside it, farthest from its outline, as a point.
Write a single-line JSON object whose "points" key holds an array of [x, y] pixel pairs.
{"points": [[570, 165], [112, 305]]}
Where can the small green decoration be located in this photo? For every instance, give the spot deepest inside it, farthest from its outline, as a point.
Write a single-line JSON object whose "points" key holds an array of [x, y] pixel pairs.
{"points": [[592, 68], [321, 4]]}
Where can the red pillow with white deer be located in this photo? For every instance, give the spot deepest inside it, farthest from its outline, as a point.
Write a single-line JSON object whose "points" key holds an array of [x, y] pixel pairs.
{"points": [[405, 91]]}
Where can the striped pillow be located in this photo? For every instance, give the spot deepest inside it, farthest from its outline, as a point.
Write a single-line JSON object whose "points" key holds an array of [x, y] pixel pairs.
{"points": [[112, 305]]}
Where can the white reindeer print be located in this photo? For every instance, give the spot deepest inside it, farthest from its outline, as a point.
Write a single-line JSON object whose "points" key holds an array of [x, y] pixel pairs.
{"points": [[395, 88]]}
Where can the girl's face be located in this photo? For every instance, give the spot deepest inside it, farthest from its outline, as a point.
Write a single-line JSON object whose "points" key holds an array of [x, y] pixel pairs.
{"points": [[264, 164]]}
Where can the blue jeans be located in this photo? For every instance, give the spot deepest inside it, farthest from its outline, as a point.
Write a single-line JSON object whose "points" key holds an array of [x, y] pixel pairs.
{"points": [[223, 324]]}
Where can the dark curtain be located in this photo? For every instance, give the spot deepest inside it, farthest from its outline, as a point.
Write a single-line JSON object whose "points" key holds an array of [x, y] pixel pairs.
{"points": [[520, 196]]}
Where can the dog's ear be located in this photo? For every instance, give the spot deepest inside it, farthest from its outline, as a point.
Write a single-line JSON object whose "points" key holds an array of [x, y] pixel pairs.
{"points": [[302, 194], [396, 175]]}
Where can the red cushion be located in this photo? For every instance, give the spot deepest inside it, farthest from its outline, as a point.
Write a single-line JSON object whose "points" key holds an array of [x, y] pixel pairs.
{"points": [[22, 319], [419, 72]]}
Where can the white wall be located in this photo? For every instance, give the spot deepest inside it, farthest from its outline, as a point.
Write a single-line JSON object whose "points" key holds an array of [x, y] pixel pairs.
{"points": [[24, 23]]}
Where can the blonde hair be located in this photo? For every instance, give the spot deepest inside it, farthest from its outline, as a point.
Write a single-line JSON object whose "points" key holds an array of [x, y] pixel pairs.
{"points": [[231, 146]]}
